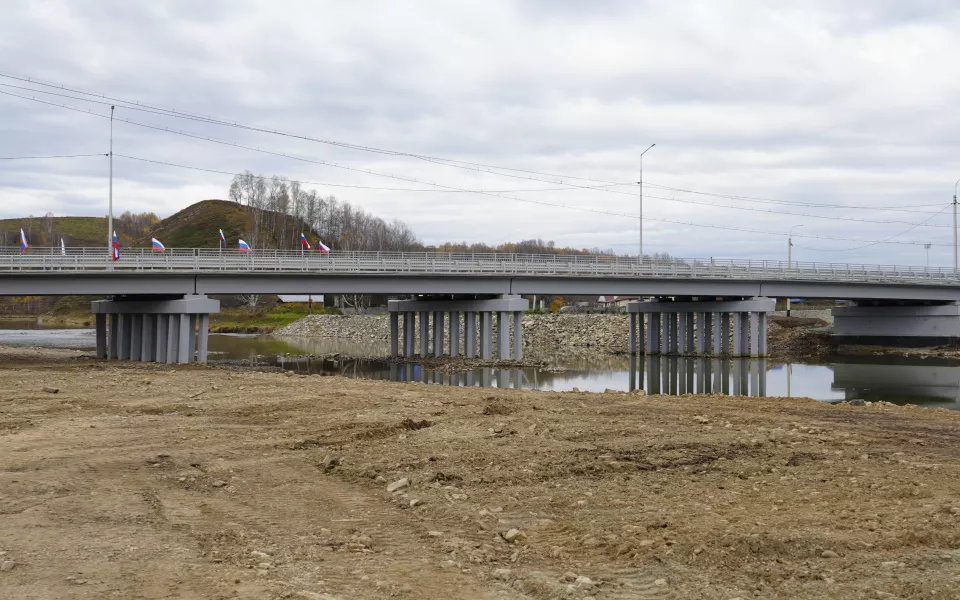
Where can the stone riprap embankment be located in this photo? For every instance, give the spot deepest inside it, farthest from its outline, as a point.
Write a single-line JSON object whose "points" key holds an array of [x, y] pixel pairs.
{"points": [[608, 332]]}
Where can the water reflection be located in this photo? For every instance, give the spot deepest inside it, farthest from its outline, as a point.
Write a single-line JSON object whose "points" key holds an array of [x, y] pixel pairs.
{"points": [[679, 375]]}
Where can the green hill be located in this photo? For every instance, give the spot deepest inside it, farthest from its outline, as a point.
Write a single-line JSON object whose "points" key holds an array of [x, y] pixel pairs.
{"points": [[198, 225], [77, 232]]}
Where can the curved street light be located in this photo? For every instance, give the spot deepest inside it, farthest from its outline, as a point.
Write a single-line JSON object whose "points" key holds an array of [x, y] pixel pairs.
{"points": [[640, 252], [790, 257]]}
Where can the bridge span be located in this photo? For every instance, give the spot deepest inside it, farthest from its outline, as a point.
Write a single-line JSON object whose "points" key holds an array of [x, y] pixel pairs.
{"points": [[690, 306]]}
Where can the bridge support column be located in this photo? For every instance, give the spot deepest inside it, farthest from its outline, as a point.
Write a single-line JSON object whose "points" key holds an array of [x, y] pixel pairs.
{"points": [[689, 326], [424, 333], [470, 333], [486, 335], [897, 324], [159, 329], [409, 334], [503, 335], [438, 333], [632, 334], [518, 338], [101, 329], [395, 334]]}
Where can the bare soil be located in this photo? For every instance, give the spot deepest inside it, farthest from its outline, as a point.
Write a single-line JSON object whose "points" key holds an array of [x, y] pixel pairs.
{"points": [[145, 481]]}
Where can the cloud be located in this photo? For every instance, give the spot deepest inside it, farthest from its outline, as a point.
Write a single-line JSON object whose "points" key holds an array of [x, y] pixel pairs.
{"points": [[816, 102]]}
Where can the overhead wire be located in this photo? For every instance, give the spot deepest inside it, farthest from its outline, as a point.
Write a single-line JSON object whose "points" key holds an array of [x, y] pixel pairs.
{"points": [[413, 180], [883, 241], [479, 167], [51, 156]]}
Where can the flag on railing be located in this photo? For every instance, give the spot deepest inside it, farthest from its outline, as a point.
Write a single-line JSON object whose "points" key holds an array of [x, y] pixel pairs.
{"points": [[322, 247], [157, 245], [223, 239], [243, 246], [115, 254], [303, 241], [23, 242], [63, 248]]}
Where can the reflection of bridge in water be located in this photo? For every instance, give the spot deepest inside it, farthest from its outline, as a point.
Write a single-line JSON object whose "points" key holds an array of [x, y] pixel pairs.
{"points": [[679, 375]]}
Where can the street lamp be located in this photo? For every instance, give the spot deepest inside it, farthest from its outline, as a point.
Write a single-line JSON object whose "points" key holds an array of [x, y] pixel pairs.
{"points": [[640, 253], [790, 258], [955, 228], [927, 248]]}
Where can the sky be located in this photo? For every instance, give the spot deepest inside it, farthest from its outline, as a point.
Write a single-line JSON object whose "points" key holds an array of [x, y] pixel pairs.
{"points": [[837, 120]]}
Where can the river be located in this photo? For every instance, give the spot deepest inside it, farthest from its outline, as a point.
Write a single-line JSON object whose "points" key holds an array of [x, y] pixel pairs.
{"points": [[922, 381]]}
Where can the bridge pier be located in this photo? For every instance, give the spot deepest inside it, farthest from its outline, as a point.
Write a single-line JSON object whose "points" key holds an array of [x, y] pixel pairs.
{"points": [[509, 309], [154, 329], [700, 327], [906, 324]]}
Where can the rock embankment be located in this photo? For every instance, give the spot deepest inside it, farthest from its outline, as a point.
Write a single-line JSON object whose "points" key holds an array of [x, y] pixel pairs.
{"points": [[608, 332]]}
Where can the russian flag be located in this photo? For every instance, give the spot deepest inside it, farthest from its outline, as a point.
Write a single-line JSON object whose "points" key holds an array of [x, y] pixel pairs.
{"points": [[303, 240], [23, 242], [116, 248], [158, 246], [322, 247], [223, 239], [243, 246]]}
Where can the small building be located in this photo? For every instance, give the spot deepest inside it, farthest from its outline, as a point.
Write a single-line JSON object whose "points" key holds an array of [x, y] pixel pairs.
{"points": [[616, 301], [293, 299]]}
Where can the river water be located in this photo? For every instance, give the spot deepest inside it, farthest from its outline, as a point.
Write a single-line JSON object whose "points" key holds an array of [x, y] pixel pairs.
{"points": [[927, 382]]}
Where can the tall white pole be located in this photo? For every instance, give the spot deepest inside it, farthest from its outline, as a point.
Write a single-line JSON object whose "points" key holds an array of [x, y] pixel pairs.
{"points": [[955, 228], [640, 250], [110, 213], [790, 258]]}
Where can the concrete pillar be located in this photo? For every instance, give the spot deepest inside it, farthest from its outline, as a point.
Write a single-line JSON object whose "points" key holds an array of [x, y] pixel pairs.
{"points": [[665, 336], [737, 334], [762, 339], [394, 334], [702, 375], [724, 376], [162, 337], [438, 334], [762, 387], [744, 334], [455, 333], [632, 334], [113, 348], [716, 320], [674, 317], [503, 335], [682, 324], [754, 334], [737, 378], [653, 334], [409, 333], [486, 336], [173, 339], [470, 334], [518, 339], [136, 333], [101, 328], [640, 335], [147, 341], [690, 327], [717, 375], [424, 333], [725, 333], [184, 350], [203, 339], [703, 333], [193, 336]]}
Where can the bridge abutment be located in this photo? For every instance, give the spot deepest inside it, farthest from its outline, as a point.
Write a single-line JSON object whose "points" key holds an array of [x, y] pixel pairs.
{"points": [[700, 327], [168, 330], [897, 324], [474, 317]]}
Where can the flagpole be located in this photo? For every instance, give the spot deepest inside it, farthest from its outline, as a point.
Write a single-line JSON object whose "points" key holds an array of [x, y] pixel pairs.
{"points": [[110, 214]]}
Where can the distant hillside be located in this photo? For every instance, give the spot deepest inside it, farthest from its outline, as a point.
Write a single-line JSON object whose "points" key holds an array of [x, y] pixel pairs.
{"points": [[77, 232]]}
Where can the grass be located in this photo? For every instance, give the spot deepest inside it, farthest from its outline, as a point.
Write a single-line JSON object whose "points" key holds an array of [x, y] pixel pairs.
{"points": [[262, 320]]}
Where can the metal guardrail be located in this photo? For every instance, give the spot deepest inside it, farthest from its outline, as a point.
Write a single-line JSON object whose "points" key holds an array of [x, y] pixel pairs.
{"points": [[209, 260]]}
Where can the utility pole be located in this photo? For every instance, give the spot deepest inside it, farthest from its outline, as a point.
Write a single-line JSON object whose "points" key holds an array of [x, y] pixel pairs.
{"points": [[110, 213], [790, 258], [640, 252], [927, 248]]}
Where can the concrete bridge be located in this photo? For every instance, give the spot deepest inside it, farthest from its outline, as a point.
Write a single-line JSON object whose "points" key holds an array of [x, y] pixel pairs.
{"points": [[695, 306]]}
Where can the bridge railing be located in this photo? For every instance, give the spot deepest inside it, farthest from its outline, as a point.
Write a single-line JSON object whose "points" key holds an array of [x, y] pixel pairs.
{"points": [[208, 260]]}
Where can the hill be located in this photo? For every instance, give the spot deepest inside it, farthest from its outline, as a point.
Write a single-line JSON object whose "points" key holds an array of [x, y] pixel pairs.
{"points": [[77, 232]]}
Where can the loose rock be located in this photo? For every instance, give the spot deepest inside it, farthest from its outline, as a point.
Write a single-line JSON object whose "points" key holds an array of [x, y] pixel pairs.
{"points": [[400, 484], [7, 565]]}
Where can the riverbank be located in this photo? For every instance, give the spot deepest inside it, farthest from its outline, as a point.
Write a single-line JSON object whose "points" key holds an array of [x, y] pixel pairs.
{"points": [[211, 482]]}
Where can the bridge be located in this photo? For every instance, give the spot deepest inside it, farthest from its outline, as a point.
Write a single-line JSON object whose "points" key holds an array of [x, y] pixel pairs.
{"points": [[700, 306]]}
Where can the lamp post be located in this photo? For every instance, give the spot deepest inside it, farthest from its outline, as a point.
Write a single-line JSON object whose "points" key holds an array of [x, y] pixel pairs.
{"points": [[790, 258], [927, 248], [955, 228], [640, 253], [110, 213]]}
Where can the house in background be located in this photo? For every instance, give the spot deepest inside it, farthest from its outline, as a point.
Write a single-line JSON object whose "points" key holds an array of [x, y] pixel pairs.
{"points": [[616, 302]]}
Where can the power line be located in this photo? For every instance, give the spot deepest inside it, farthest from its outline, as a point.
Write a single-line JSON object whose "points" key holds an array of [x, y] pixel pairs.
{"points": [[480, 192], [50, 156], [883, 241], [606, 186]]}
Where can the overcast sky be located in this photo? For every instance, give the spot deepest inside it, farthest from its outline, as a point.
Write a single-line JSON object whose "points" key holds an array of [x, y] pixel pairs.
{"points": [[825, 103]]}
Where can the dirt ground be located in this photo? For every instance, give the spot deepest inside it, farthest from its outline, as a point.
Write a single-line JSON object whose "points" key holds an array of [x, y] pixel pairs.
{"points": [[140, 481]]}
